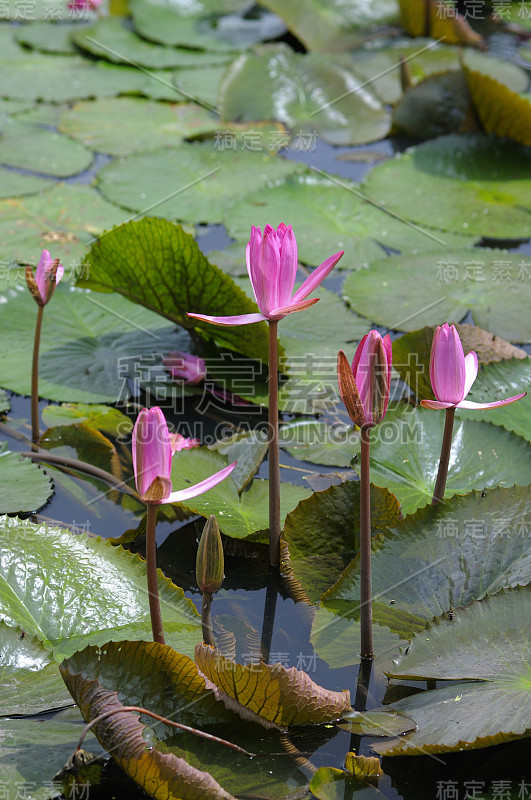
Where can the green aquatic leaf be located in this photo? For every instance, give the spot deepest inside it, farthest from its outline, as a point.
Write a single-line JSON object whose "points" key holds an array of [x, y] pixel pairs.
{"points": [[320, 442], [88, 345], [330, 783], [15, 184], [438, 105], [25, 486], [28, 146], [405, 292], [103, 418], [49, 38], [472, 184], [500, 110], [199, 85], [4, 401], [99, 591]]}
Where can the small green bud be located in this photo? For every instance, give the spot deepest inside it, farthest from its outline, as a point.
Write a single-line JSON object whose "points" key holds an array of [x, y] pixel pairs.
{"points": [[210, 564]]}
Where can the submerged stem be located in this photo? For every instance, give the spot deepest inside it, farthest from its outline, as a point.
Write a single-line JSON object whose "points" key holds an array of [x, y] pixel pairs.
{"points": [[365, 547], [442, 474], [35, 432], [274, 466], [206, 619], [151, 569]]}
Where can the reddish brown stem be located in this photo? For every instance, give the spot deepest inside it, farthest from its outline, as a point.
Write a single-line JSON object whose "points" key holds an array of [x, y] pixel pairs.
{"points": [[81, 466], [365, 547], [151, 569], [274, 463], [442, 474], [35, 432]]}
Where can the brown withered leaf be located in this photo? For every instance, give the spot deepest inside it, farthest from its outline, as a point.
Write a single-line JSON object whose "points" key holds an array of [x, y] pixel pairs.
{"points": [[282, 696], [500, 110]]}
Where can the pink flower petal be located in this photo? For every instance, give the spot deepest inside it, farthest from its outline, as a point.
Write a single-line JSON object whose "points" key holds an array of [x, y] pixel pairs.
{"points": [[199, 488], [288, 266], [471, 372], [470, 404], [318, 275], [240, 319], [277, 313], [436, 404], [447, 365], [151, 449]]}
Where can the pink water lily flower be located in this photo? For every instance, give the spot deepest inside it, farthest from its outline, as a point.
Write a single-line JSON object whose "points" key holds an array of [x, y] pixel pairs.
{"points": [[47, 275], [364, 386], [452, 375], [184, 366], [152, 456], [272, 267], [179, 442]]}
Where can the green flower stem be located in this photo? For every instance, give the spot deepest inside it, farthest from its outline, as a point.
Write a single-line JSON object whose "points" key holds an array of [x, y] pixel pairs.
{"points": [[151, 568], [35, 432], [442, 474], [365, 547], [206, 619], [274, 466]]}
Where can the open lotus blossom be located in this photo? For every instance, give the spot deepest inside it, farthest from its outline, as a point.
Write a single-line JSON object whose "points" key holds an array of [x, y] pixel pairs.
{"points": [[184, 366], [47, 275], [152, 456], [272, 267], [364, 386], [452, 375]]}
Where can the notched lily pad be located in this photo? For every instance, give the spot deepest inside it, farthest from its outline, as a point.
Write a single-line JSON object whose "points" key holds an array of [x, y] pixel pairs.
{"points": [[379, 722], [25, 486]]}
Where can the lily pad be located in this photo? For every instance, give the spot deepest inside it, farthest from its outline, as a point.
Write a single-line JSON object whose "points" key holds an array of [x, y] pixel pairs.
{"points": [[87, 344], [321, 443], [487, 643], [330, 783], [199, 85], [406, 292], [126, 125], [238, 515], [99, 591], [379, 722], [473, 183], [322, 533], [103, 418], [13, 184], [25, 487], [27, 146], [156, 264], [405, 451], [67, 216], [438, 105], [332, 25], [48, 38], [307, 93], [4, 401], [328, 215], [109, 38], [190, 182]]}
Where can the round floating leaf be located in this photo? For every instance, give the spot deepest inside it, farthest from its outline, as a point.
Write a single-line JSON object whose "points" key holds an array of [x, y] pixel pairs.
{"points": [[13, 184], [156, 264], [380, 722], [4, 401], [328, 215], [25, 487], [67, 217], [438, 105], [109, 38], [248, 450], [48, 38], [500, 110], [190, 182], [329, 783], [99, 591], [442, 557], [29, 682], [322, 533], [31, 147], [86, 345], [238, 515], [336, 634], [405, 292], [472, 183], [305, 92], [320, 443], [282, 696], [178, 24], [103, 418], [200, 85], [405, 452], [332, 25], [496, 382], [126, 125]]}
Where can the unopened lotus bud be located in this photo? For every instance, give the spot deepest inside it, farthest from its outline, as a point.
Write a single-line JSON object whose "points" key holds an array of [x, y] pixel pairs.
{"points": [[210, 564]]}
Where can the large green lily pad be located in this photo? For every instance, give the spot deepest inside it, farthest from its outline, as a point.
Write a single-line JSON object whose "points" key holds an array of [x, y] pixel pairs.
{"points": [[330, 214], [32, 147], [307, 93], [126, 125], [473, 184], [155, 263], [330, 783], [488, 643], [102, 418], [110, 39], [190, 182], [64, 220], [238, 515], [88, 343], [405, 451], [199, 85], [182, 23], [49, 38], [95, 592], [406, 292], [320, 442], [25, 487], [14, 184]]}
